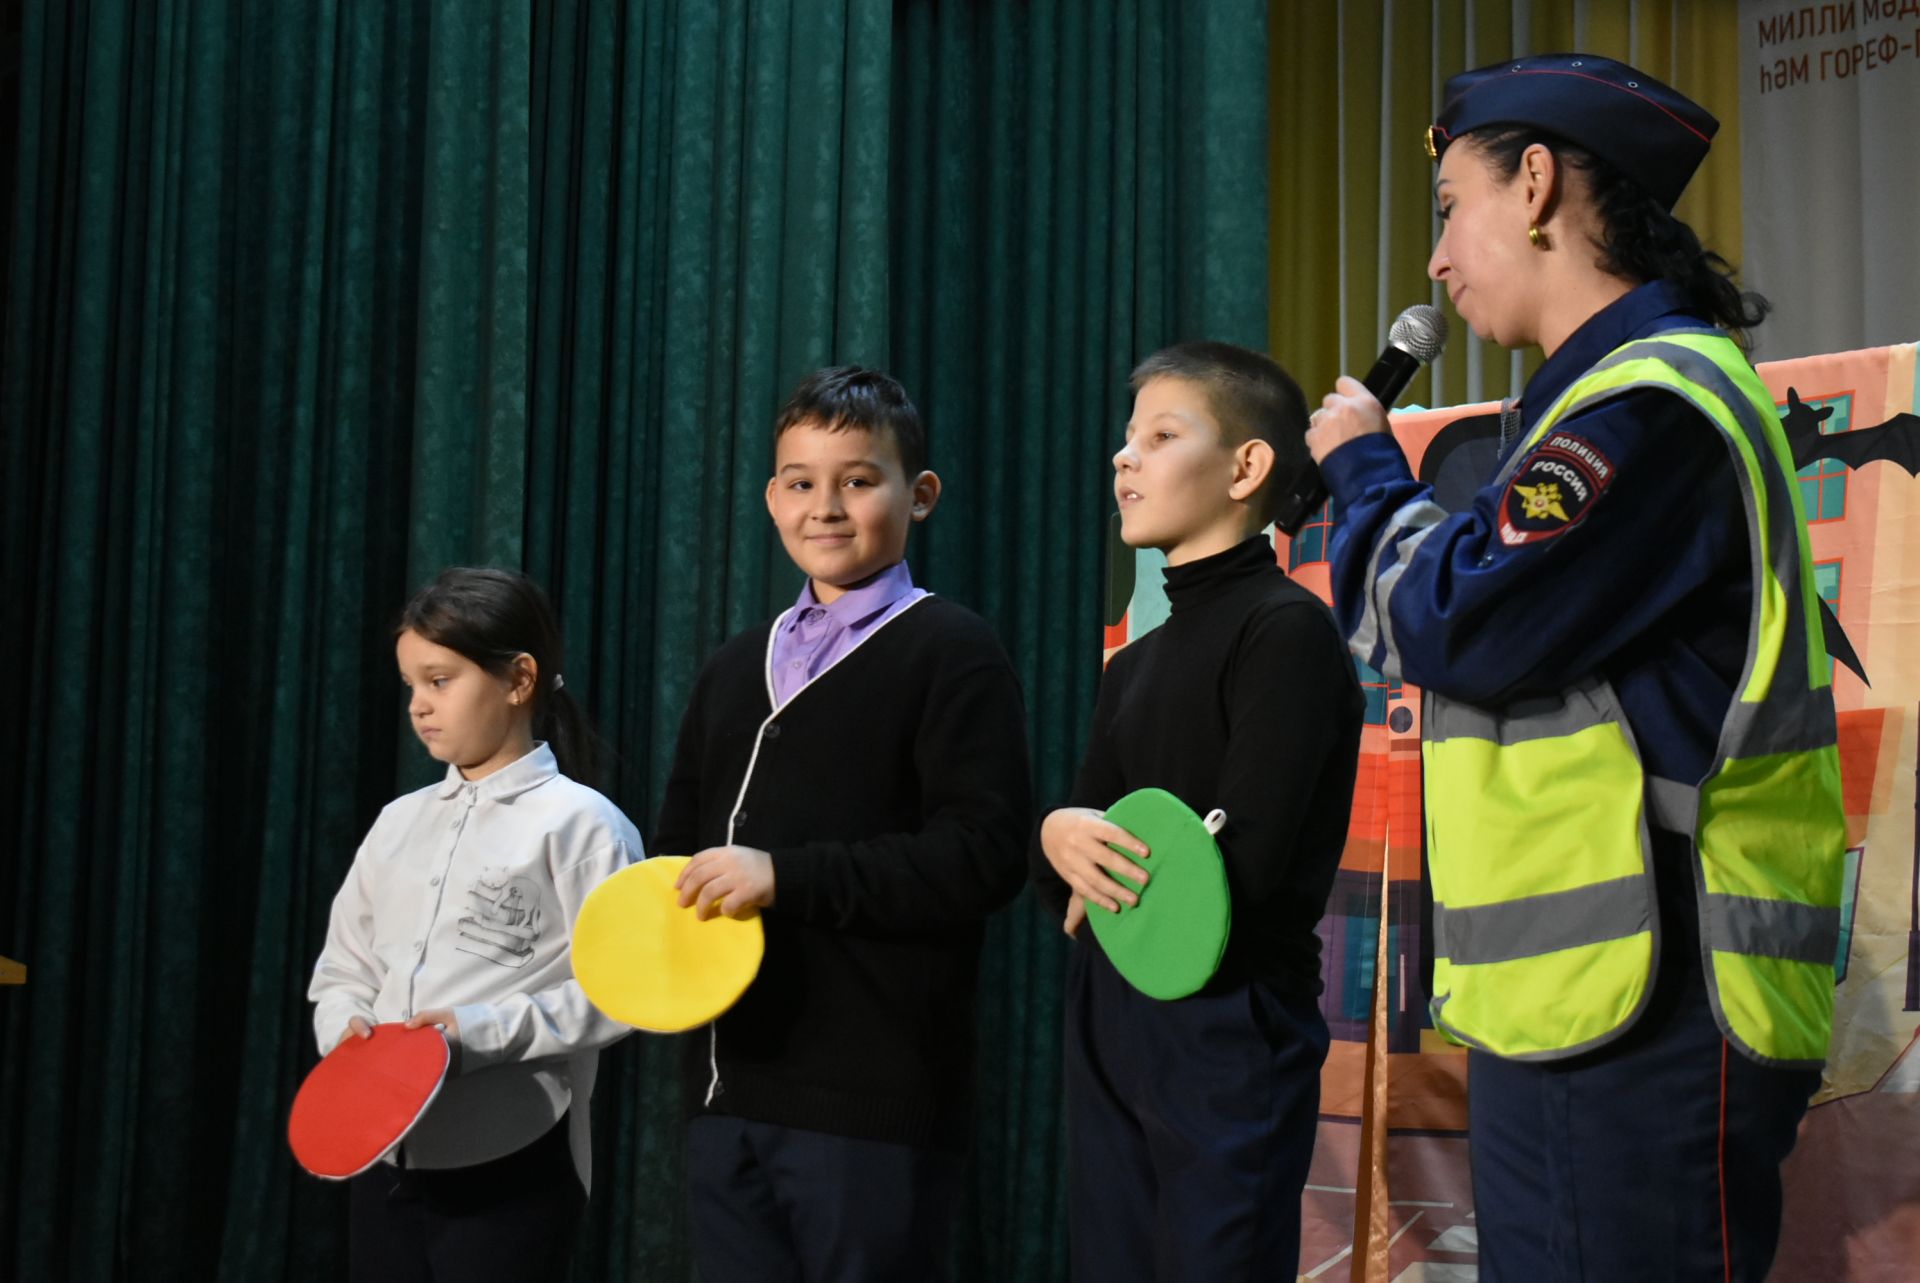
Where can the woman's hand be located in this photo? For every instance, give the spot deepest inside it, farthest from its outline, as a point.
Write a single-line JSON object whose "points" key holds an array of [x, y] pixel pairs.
{"points": [[1347, 412]]}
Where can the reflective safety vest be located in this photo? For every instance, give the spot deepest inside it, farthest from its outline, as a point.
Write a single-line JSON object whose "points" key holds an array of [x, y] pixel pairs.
{"points": [[1538, 812]]}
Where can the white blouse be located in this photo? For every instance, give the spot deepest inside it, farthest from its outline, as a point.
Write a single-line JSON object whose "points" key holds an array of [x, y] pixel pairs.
{"points": [[463, 895]]}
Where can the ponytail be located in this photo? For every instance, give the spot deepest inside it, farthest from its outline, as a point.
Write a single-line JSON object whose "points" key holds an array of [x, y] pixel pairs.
{"points": [[1640, 239], [563, 724], [493, 617]]}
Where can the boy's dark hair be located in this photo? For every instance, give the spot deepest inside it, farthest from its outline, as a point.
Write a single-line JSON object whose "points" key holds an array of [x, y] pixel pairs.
{"points": [[1251, 398], [490, 616], [842, 397]]}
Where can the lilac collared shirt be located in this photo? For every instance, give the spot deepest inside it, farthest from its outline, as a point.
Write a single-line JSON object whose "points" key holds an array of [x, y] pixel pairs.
{"points": [[810, 638]]}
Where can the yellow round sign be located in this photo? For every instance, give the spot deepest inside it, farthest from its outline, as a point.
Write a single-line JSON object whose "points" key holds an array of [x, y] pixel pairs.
{"points": [[647, 962]]}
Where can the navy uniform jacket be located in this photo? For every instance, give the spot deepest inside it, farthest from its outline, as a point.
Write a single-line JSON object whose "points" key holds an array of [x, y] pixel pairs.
{"points": [[1645, 583]]}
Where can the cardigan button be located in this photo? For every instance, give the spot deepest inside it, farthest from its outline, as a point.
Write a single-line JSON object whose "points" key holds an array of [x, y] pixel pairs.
{"points": [[772, 732]]}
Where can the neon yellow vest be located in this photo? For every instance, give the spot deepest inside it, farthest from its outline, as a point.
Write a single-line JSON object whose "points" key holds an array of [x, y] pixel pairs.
{"points": [[1538, 813]]}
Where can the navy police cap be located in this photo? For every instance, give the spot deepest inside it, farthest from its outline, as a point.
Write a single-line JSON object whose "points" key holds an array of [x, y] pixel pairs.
{"points": [[1652, 134]]}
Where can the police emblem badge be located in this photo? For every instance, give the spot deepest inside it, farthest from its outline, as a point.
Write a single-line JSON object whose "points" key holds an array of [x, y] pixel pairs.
{"points": [[1553, 488]]}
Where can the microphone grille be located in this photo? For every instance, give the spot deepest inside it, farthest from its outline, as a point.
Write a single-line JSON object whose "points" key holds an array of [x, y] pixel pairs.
{"points": [[1420, 332]]}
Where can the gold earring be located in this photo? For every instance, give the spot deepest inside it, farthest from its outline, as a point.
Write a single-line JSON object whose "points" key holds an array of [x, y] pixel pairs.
{"points": [[1535, 238]]}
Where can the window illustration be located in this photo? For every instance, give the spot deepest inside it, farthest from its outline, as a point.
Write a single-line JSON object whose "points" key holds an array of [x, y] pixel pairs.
{"points": [[1377, 691], [1310, 545]]}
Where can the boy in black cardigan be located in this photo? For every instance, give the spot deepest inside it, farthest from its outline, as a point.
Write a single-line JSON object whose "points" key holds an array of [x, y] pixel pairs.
{"points": [[856, 771], [1191, 1122]]}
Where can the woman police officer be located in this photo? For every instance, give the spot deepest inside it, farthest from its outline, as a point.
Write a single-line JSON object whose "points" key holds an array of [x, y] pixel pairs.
{"points": [[1635, 832]]}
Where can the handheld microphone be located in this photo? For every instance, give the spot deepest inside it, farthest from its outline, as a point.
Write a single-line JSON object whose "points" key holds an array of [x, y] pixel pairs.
{"points": [[1416, 337]]}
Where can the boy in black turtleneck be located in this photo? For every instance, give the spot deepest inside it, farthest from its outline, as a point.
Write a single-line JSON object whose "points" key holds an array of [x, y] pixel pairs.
{"points": [[1191, 1122]]}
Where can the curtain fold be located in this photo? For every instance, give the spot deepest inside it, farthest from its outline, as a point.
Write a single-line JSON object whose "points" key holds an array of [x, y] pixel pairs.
{"points": [[231, 415], [710, 222], [1075, 186]]}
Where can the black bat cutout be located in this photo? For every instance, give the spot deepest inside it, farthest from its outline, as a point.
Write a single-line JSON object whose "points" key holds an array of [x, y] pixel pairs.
{"points": [[1837, 644], [1895, 441]]}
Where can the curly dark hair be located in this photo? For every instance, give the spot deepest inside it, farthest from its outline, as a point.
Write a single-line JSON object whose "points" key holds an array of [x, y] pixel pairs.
{"points": [[1640, 238]]}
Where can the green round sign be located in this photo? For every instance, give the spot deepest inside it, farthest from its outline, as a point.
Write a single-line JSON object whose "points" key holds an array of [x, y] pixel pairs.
{"points": [[1171, 943]]}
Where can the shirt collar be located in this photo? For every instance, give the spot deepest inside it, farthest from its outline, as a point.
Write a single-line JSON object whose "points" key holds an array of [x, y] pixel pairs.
{"points": [[510, 781], [1640, 311], [858, 605]]}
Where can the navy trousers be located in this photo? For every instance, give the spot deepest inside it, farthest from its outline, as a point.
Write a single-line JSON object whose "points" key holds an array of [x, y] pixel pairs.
{"points": [[1190, 1127], [510, 1220], [772, 1204], [1657, 1158]]}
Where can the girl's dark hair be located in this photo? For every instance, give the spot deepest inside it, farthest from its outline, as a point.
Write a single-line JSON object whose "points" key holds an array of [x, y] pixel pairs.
{"points": [[492, 616], [1640, 238]]}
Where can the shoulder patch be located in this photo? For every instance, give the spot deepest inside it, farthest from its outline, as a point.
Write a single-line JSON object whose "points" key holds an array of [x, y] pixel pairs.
{"points": [[1553, 489]]}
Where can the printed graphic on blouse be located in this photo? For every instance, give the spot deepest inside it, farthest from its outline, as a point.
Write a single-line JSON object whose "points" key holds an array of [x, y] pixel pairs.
{"points": [[502, 921]]}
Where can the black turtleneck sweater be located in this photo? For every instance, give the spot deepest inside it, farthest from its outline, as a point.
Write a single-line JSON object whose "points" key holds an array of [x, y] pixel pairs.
{"points": [[1246, 700]]}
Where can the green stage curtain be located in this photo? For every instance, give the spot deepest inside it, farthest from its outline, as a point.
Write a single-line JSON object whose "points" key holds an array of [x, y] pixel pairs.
{"points": [[305, 300], [1076, 186], [263, 361], [710, 223]]}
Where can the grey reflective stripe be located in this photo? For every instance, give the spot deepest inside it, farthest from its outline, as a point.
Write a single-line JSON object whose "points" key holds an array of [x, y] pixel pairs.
{"points": [[1783, 535], [1538, 924], [1706, 373], [1772, 928], [1383, 588], [1376, 625], [1795, 721], [1672, 806], [1794, 717], [1587, 704], [1635, 350]]}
